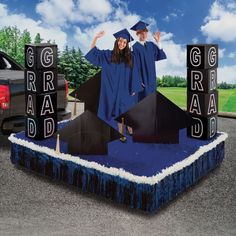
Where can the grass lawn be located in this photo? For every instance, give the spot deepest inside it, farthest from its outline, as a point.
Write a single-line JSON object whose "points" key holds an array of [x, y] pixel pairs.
{"points": [[227, 97]]}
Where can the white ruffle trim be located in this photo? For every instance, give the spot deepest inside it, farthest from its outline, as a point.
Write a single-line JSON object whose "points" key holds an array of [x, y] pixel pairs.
{"points": [[121, 172]]}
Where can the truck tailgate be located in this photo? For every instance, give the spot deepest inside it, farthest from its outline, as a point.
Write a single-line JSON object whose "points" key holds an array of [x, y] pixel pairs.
{"points": [[15, 80]]}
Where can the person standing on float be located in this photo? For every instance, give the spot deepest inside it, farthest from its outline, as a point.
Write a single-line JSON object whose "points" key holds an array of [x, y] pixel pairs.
{"points": [[147, 53], [117, 87]]}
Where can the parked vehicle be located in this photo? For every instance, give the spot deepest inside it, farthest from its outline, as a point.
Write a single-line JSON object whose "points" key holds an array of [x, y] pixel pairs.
{"points": [[12, 96]]}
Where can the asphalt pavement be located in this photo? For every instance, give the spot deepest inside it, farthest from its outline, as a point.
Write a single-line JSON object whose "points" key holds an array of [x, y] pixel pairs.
{"points": [[31, 204]]}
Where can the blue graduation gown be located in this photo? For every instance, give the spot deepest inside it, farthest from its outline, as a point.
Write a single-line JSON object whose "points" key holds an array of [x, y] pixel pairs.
{"points": [[116, 84], [145, 59]]}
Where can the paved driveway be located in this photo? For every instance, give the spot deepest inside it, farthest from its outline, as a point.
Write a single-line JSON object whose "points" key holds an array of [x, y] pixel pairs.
{"points": [[34, 205]]}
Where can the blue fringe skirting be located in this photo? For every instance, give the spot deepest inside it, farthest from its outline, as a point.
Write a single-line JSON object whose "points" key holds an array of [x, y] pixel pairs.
{"points": [[136, 195]]}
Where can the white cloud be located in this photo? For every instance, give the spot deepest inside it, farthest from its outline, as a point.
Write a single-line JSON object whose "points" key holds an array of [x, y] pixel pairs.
{"points": [[220, 23], [221, 52], [232, 55], [100, 8], [175, 64], [34, 27], [121, 19], [227, 74], [231, 5], [3, 10], [166, 36], [64, 12], [172, 16], [166, 18], [55, 12], [195, 40]]}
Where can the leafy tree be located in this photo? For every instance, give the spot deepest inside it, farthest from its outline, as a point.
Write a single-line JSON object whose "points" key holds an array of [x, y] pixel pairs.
{"points": [[224, 85], [12, 42], [9, 39], [38, 38], [159, 82], [24, 39], [171, 81], [75, 67]]}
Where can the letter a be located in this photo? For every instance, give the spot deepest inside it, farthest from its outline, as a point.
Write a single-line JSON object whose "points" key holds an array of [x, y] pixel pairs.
{"points": [[212, 105], [47, 107], [30, 106], [195, 105]]}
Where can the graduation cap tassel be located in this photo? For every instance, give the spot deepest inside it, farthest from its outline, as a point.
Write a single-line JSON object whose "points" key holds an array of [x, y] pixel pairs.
{"points": [[123, 139], [58, 144], [74, 113]]}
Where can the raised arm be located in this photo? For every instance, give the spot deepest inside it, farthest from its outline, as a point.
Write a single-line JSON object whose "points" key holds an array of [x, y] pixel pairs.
{"points": [[158, 51], [96, 56], [157, 37], [96, 37]]}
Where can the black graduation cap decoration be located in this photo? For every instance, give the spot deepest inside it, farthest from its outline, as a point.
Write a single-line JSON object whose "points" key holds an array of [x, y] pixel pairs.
{"points": [[87, 134], [89, 93], [124, 33], [156, 119], [140, 25]]}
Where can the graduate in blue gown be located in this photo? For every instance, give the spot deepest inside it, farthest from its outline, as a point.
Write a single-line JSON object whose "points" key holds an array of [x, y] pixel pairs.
{"points": [[147, 53], [117, 87]]}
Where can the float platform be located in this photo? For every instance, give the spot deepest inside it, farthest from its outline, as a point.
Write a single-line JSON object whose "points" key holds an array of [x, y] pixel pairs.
{"points": [[140, 175]]}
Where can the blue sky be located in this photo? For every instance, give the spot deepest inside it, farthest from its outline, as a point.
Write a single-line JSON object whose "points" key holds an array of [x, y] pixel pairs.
{"points": [[181, 22]]}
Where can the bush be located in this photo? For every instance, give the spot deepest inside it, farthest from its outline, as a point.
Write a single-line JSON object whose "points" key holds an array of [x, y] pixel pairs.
{"points": [[171, 81]]}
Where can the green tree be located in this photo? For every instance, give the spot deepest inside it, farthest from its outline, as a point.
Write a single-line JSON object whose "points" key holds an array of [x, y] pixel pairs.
{"points": [[9, 39], [171, 81], [24, 39], [12, 42], [38, 38], [159, 82], [224, 85], [75, 67]]}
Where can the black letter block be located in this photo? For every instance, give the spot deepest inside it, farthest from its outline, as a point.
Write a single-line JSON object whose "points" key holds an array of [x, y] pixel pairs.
{"points": [[40, 56], [41, 128], [205, 127], [203, 81], [41, 81], [202, 104], [41, 105], [202, 56]]}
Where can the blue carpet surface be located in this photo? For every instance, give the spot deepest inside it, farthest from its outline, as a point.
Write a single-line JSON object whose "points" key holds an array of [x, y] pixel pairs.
{"points": [[140, 159]]}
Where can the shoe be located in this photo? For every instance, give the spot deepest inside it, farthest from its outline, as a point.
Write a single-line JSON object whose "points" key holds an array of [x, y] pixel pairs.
{"points": [[123, 139]]}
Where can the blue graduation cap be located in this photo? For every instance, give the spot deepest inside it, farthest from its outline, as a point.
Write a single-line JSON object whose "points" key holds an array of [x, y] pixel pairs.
{"points": [[124, 33], [139, 26]]}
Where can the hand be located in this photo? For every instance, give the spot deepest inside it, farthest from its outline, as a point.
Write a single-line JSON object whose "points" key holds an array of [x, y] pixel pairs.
{"points": [[100, 34], [133, 94], [157, 36]]}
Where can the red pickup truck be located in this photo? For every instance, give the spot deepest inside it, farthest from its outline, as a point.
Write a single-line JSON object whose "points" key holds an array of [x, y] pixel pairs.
{"points": [[12, 96]]}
